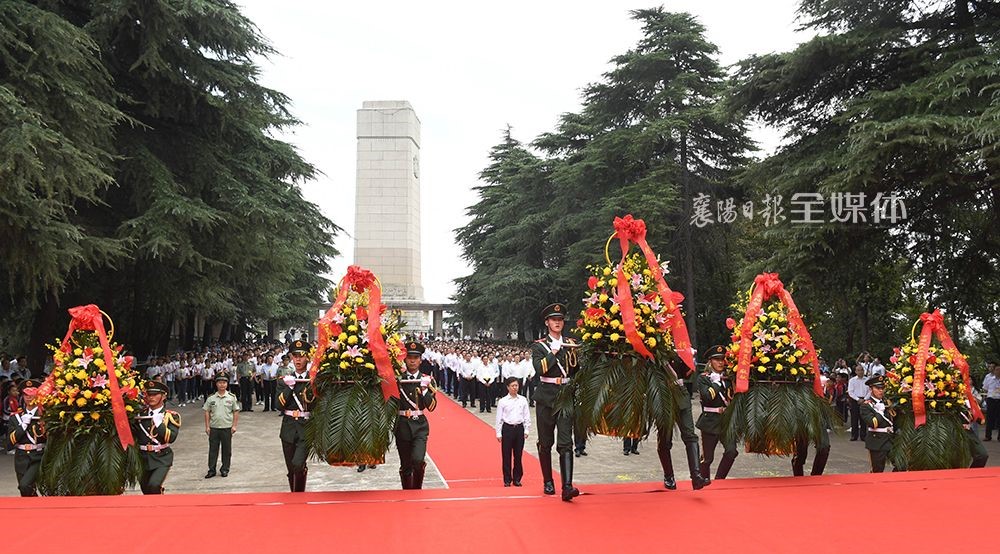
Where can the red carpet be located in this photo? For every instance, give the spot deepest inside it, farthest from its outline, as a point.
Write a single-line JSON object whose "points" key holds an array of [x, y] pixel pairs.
{"points": [[945, 511], [466, 451]]}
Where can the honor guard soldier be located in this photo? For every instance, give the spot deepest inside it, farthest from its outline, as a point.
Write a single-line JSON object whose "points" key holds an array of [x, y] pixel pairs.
{"points": [[715, 392], [416, 396], [685, 422], [878, 417], [26, 433], [154, 432], [555, 363], [294, 398]]}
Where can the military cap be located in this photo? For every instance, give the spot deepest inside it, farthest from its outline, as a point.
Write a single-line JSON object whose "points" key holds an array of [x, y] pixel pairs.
{"points": [[300, 347], [28, 383], [554, 310], [717, 351], [876, 381], [414, 348], [221, 377], [155, 387]]}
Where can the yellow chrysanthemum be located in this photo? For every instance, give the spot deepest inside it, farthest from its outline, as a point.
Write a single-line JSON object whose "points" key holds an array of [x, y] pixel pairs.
{"points": [[78, 417]]}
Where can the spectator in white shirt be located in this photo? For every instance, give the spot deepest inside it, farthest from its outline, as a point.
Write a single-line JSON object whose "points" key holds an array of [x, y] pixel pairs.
{"points": [[991, 384], [857, 392], [512, 427]]}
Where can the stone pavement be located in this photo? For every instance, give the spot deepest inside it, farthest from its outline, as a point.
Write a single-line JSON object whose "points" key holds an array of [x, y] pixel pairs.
{"points": [[258, 465]]}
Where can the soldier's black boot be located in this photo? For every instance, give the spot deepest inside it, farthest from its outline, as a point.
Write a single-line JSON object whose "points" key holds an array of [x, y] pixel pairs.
{"points": [[705, 469], [291, 482], [819, 462], [299, 481], [724, 466], [668, 468], [545, 460], [418, 476], [406, 479], [698, 481], [569, 492]]}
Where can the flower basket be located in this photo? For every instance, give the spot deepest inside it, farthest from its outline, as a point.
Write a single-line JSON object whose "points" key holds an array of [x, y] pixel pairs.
{"points": [[930, 390], [89, 401], [779, 399], [353, 371], [630, 326]]}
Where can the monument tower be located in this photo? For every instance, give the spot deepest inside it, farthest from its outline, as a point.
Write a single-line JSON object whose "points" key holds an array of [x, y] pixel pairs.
{"points": [[387, 210]]}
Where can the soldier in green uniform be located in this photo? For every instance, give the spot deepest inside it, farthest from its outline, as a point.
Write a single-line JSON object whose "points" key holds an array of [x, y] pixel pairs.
{"points": [[715, 392], [26, 434], [685, 422], [878, 417], [416, 396], [154, 432], [555, 362], [294, 398], [222, 414]]}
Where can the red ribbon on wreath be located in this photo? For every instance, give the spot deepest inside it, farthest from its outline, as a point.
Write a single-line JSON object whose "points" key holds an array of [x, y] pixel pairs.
{"points": [[933, 325], [631, 230], [766, 286], [88, 318], [360, 280]]}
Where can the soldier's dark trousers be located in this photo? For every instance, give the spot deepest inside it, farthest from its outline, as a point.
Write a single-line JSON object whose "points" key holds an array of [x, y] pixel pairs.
{"points": [[511, 447], [216, 438], [992, 417], [819, 461], [552, 425], [26, 466], [411, 443], [152, 480], [878, 458], [979, 454], [246, 394], [295, 463], [708, 443]]}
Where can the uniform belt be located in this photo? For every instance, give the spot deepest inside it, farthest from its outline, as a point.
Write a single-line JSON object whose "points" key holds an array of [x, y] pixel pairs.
{"points": [[411, 413], [30, 447], [153, 447], [717, 410], [297, 414], [880, 430], [513, 424], [555, 380]]}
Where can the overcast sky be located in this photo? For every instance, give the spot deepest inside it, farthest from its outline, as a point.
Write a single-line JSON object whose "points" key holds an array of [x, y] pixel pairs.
{"points": [[469, 69]]}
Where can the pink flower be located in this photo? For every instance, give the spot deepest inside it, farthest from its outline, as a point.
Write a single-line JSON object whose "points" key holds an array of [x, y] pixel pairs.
{"points": [[99, 381], [636, 281], [353, 351]]}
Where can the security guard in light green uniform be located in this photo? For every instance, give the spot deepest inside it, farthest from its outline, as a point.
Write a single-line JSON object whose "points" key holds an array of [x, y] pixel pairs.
{"points": [[416, 396], [154, 432], [878, 417], [295, 395], [27, 434], [715, 392], [555, 363]]}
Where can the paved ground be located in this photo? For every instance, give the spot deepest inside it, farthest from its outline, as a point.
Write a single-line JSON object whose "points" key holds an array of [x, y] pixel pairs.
{"points": [[258, 465]]}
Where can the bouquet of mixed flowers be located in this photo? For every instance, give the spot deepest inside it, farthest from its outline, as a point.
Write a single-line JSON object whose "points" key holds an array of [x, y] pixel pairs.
{"points": [[635, 342], [779, 397], [88, 403], [930, 389], [353, 370]]}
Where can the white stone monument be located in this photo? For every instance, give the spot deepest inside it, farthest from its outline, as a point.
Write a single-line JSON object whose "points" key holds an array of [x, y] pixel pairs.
{"points": [[387, 216]]}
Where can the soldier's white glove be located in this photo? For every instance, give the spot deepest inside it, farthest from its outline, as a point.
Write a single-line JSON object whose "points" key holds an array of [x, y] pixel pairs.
{"points": [[288, 380], [25, 419], [556, 346], [715, 377], [425, 381]]}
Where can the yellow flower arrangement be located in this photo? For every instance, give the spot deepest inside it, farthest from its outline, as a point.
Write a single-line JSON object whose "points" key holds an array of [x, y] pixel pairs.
{"points": [[942, 380], [600, 323], [777, 354]]}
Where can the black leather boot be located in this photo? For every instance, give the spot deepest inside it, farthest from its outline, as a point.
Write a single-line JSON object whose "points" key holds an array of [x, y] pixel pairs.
{"points": [[725, 464], [545, 460], [299, 481], [668, 467], [418, 476], [569, 492], [406, 479], [697, 480]]}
